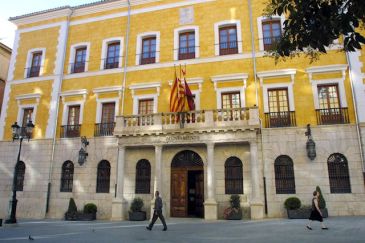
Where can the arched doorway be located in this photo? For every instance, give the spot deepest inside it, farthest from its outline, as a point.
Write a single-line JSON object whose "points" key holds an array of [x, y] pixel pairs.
{"points": [[187, 185]]}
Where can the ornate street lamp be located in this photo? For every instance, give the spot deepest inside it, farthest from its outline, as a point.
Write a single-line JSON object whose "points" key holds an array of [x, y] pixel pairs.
{"points": [[310, 145], [19, 133], [82, 152]]}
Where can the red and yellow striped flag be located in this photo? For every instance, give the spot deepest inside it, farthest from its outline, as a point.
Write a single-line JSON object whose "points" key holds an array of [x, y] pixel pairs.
{"points": [[177, 96]]}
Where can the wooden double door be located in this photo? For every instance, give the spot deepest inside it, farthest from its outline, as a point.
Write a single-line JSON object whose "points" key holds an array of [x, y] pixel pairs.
{"points": [[187, 192]]}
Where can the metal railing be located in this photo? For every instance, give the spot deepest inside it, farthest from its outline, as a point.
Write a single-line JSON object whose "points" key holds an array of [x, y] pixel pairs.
{"points": [[280, 119], [104, 129], [227, 48], [147, 57], [78, 67], [270, 42], [186, 53], [33, 71], [111, 62], [332, 116], [70, 131]]}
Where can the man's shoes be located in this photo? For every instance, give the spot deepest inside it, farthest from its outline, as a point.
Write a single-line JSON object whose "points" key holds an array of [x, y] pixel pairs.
{"points": [[308, 227], [148, 228], [164, 229]]}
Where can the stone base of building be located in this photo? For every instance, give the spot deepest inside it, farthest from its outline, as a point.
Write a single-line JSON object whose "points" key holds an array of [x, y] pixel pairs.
{"points": [[210, 210], [257, 210], [119, 210]]}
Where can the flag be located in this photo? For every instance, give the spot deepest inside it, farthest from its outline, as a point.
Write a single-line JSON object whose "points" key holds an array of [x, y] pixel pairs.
{"points": [[177, 95], [189, 98]]}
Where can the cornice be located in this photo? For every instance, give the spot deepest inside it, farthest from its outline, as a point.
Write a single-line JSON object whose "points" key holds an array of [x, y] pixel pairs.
{"points": [[41, 16]]}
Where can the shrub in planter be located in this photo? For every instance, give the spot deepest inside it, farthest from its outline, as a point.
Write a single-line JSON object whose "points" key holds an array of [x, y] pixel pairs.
{"points": [[292, 203], [322, 203], [136, 213], [90, 208], [89, 212], [234, 212], [71, 213], [294, 210]]}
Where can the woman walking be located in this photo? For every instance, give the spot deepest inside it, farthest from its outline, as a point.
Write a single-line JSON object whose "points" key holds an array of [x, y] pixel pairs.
{"points": [[316, 214]]}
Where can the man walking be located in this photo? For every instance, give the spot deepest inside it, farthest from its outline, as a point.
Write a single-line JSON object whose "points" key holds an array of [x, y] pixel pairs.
{"points": [[157, 212]]}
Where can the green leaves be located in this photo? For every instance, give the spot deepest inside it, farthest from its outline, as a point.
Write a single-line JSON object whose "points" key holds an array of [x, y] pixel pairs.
{"points": [[315, 24]]}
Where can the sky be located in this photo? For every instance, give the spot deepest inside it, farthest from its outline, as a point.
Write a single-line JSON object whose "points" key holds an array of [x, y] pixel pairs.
{"points": [[12, 8]]}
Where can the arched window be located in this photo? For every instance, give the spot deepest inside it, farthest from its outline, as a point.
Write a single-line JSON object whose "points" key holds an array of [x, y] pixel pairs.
{"points": [[284, 175], [233, 176], [143, 177], [103, 177], [67, 176], [338, 171], [19, 176]]}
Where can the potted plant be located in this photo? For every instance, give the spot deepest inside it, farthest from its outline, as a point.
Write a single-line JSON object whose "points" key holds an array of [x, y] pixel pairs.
{"points": [[294, 209], [234, 212], [135, 212], [89, 212], [71, 213], [322, 203]]}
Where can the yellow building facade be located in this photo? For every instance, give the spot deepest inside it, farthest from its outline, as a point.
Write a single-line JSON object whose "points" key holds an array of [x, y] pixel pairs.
{"points": [[105, 71]]}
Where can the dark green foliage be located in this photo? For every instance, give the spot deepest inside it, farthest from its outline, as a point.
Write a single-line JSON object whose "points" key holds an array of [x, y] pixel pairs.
{"points": [[72, 206], [292, 203], [321, 201], [235, 201], [312, 25], [90, 208], [137, 205]]}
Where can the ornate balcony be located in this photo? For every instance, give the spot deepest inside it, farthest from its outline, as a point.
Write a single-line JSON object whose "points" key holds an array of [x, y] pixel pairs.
{"points": [[332, 116], [280, 119], [199, 121], [70, 131], [104, 129]]}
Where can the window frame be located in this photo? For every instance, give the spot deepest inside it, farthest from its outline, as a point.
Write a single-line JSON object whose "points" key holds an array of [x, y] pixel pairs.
{"points": [[139, 48], [143, 182], [72, 56], [104, 51], [288, 179], [335, 181], [137, 98], [262, 19], [67, 180], [183, 29], [100, 181], [29, 60], [218, 25], [99, 107], [235, 181]]}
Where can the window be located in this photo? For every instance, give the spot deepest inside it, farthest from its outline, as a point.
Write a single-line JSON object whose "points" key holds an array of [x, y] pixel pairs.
{"points": [[80, 60], [19, 176], [330, 111], [27, 116], [338, 171], [67, 176], [112, 58], [148, 54], [233, 176], [72, 129], [35, 65], [279, 114], [228, 40], [143, 177], [231, 103], [284, 175], [271, 30], [103, 177], [145, 107], [106, 125], [187, 45]]}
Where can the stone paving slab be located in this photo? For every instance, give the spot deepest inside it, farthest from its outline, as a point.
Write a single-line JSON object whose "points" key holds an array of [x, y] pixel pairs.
{"points": [[341, 229]]}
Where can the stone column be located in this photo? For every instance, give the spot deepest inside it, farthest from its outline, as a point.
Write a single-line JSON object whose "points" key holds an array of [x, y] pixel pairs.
{"points": [[210, 204], [157, 185], [119, 204], [257, 205]]}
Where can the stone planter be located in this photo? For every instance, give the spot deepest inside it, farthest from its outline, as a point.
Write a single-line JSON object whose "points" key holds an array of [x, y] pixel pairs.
{"points": [[301, 213], [233, 214], [80, 216], [137, 216]]}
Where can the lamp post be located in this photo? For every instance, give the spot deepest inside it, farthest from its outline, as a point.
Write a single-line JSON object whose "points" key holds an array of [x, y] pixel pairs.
{"points": [[18, 133], [310, 145]]}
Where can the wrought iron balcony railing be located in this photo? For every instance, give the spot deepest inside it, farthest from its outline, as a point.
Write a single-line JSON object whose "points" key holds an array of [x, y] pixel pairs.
{"points": [[104, 129], [280, 119], [228, 48], [33, 71], [332, 116], [78, 67], [240, 118], [70, 131], [111, 62]]}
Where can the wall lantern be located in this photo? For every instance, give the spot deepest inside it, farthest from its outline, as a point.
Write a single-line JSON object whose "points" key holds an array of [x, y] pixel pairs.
{"points": [[82, 152], [311, 145]]}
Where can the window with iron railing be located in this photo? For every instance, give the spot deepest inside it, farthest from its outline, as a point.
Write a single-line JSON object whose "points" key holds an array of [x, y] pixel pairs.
{"points": [[72, 129], [228, 43], [103, 177], [187, 45], [107, 124], [231, 102], [271, 30], [113, 56], [233, 176], [338, 172], [284, 175], [279, 113], [143, 177], [67, 176], [148, 54], [80, 60]]}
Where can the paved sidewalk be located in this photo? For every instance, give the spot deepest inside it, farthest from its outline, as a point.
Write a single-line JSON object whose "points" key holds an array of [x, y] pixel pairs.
{"points": [[341, 229]]}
